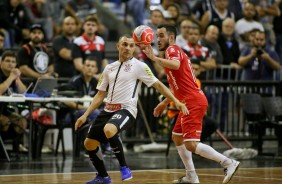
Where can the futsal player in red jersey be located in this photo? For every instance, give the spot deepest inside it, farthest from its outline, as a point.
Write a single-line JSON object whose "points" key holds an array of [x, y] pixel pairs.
{"points": [[187, 131]]}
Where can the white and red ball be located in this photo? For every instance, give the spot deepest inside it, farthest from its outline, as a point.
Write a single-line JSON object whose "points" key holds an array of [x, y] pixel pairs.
{"points": [[143, 35]]}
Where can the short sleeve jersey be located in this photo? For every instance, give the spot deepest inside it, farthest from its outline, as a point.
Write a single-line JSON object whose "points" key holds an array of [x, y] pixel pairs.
{"points": [[182, 81], [83, 48], [123, 81]]}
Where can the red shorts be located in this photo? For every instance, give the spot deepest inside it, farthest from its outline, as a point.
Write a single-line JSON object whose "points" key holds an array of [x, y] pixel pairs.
{"points": [[190, 126]]}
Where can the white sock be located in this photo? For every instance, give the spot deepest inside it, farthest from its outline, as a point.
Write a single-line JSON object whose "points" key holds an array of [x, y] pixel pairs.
{"points": [[209, 153], [186, 157]]}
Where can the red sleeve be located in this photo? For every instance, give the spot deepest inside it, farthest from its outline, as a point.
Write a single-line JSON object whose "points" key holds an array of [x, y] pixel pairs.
{"points": [[173, 53]]}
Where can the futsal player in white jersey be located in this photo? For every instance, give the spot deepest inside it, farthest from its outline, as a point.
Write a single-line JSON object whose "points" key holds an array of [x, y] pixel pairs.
{"points": [[119, 84]]}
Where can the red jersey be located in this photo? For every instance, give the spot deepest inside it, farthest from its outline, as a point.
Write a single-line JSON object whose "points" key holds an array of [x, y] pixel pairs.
{"points": [[182, 82]]}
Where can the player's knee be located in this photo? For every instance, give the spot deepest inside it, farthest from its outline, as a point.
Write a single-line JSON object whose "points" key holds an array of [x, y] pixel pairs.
{"points": [[110, 130], [177, 139], [191, 146], [90, 144]]}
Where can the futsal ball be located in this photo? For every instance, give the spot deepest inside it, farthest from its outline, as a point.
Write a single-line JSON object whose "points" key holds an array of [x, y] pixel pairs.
{"points": [[143, 35]]}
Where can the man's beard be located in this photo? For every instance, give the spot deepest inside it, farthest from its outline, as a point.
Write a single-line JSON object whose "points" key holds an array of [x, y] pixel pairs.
{"points": [[36, 41], [165, 47]]}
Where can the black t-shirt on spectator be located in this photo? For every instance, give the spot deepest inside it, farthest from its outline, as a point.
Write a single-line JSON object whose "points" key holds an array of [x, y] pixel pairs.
{"points": [[36, 58], [77, 83], [65, 68]]}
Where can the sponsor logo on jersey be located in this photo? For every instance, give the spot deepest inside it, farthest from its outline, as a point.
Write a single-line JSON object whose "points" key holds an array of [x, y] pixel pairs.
{"points": [[127, 67]]}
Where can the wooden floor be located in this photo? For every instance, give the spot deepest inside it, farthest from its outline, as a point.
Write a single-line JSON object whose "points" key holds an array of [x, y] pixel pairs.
{"points": [[206, 176]]}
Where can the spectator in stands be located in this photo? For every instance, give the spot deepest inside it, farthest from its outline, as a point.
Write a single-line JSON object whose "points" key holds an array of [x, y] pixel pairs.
{"points": [[14, 19], [136, 8], [89, 44], [218, 13], [7, 43], [237, 6], [156, 18], [86, 85], [39, 14], [246, 24], [229, 45], [181, 39], [79, 9], [12, 125], [174, 11], [2, 40], [210, 41], [266, 10], [33, 58], [277, 28], [199, 55], [62, 46], [259, 62], [56, 8], [230, 51]]}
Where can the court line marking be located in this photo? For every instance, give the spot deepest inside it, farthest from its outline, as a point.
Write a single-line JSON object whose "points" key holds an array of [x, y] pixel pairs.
{"points": [[136, 171]]}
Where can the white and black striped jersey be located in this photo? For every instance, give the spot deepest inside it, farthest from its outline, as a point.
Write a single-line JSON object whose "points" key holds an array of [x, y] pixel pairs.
{"points": [[123, 80]]}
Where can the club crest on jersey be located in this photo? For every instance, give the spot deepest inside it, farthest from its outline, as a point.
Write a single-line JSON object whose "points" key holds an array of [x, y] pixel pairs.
{"points": [[127, 67]]}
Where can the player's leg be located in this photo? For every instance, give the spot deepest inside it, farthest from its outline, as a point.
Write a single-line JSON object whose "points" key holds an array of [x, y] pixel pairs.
{"points": [[95, 136], [192, 127], [120, 121], [185, 155]]}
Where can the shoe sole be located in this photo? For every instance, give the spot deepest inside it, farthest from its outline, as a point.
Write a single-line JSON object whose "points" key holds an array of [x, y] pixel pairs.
{"points": [[233, 173], [127, 179]]}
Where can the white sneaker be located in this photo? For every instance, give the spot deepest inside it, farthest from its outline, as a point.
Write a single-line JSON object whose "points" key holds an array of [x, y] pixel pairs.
{"points": [[229, 170], [190, 178]]}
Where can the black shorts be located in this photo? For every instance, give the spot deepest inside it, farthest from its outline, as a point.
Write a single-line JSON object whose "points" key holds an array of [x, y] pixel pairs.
{"points": [[122, 119]]}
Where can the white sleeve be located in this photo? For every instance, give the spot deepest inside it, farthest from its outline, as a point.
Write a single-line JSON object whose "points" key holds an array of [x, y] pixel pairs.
{"points": [[103, 81], [145, 74]]}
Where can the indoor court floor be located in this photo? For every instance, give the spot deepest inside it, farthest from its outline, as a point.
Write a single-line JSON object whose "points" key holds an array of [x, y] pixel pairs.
{"points": [[151, 168]]}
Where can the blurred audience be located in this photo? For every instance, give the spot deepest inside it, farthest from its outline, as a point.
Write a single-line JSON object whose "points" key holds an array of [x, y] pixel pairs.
{"points": [[56, 10], [38, 13], [79, 9], [219, 12], [136, 8], [277, 28], [2, 40], [14, 18]]}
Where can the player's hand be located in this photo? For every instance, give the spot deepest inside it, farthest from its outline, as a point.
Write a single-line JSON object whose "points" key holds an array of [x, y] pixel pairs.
{"points": [[80, 121], [158, 111], [148, 50], [15, 73], [182, 107]]}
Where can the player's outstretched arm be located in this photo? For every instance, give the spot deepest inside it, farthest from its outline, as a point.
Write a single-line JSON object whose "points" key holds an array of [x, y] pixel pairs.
{"points": [[171, 64], [96, 102]]}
